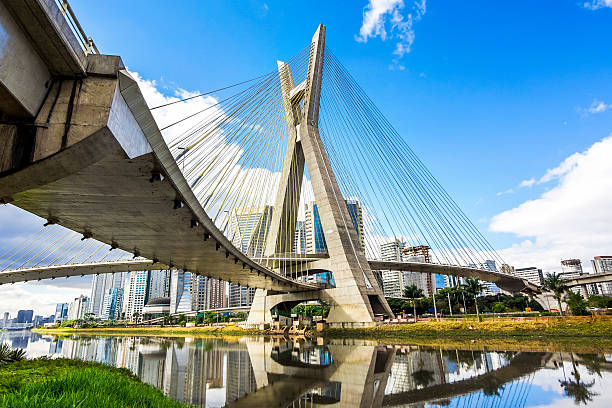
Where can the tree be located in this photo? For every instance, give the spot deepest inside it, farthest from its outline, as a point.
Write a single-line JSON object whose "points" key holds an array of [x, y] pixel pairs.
{"points": [[557, 286], [474, 288], [577, 304], [413, 292]]}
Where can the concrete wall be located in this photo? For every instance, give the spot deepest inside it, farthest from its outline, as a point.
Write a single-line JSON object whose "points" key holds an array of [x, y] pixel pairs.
{"points": [[24, 77]]}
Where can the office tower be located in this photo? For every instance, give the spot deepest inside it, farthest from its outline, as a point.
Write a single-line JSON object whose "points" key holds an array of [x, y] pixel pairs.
{"points": [[5, 320], [61, 311], [315, 238], [248, 229], [78, 307], [180, 291], [100, 285], [572, 268], [354, 209], [603, 264], [531, 274], [159, 284], [489, 288], [138, 293], [25, 316], [425, 281], [199, 292], [216, 298], [240, 295], [299, 246], [112, 304], [392, 281]]}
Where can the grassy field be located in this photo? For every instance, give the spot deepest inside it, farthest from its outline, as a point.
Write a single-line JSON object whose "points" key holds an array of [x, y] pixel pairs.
{"points": [[538, 327], [45, 383]]}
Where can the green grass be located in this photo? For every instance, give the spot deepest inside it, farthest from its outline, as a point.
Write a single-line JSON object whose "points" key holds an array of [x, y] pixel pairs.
{"points": [[537, 327], [63, 383]]}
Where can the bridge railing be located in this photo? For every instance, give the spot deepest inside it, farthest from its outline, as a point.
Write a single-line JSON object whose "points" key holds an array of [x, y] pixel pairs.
{"points": [[87, 43]]}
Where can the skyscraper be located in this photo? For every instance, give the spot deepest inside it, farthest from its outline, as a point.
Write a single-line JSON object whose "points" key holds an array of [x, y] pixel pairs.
{"points": [[240, 295], [248, 229], [425, 281], [216, 298], [532, 274], [100, 285], [572, 268], [61, 311], [111, 306], [603, 264], [78, 307], [315, 238], [180, 291], [25, 316], [138, 293], [299, 246]]}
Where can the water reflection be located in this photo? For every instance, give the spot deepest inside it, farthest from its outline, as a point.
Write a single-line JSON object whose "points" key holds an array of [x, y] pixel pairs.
{"points": [[280, 372]]}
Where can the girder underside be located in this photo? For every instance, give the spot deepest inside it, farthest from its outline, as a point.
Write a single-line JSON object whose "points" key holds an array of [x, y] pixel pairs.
{"points": [[113, 200]]}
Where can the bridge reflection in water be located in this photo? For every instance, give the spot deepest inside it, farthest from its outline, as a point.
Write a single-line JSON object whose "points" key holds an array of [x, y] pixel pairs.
{"points": [[284, 373]]}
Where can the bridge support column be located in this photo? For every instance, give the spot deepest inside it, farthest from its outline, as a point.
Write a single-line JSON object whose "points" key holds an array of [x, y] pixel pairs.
{"points": [[584, 292]]}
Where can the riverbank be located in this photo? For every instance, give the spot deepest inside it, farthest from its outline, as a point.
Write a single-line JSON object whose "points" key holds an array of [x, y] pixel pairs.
{"points": [[553, 327], [44, 382], [596, 327], [167, 331]]}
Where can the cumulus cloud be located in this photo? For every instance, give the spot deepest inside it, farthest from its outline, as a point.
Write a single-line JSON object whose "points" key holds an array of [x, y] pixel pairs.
{"points": [[391, 19], [597, 4], [571, 220]]}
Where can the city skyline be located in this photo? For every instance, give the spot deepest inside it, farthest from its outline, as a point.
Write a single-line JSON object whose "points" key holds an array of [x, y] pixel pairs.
{"points": [[574, 169]]}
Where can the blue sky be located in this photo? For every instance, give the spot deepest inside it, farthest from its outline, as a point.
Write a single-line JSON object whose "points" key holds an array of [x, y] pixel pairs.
{"points": [[488, 94]]}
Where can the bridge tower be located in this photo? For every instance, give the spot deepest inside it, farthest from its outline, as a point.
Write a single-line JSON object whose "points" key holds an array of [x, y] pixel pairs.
{"points": [[356, 298]]}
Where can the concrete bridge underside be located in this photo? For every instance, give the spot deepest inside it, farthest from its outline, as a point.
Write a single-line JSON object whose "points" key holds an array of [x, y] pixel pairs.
{"points": [[90, 169]]}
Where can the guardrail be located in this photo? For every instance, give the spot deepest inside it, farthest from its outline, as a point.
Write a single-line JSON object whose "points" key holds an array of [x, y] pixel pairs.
{"points": [[87, 43]]}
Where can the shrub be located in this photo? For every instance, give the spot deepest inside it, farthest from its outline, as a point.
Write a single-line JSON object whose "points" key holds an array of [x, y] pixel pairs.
{"points": [[499, 307], [8, 355], [577, 304]]}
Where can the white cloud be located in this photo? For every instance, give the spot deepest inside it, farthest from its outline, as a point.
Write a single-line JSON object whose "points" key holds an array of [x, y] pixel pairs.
{"points": [[527, 183], [597, 106], [508, 191], [571, 220], [389, 19], [597, 4]]}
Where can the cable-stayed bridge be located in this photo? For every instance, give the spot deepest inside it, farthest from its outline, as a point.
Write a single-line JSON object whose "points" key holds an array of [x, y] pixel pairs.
{"points": [[266, 183]]}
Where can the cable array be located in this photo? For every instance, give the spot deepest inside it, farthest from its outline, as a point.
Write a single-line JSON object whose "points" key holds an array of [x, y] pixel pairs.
{"points": [[399, 198], [56, 245]]}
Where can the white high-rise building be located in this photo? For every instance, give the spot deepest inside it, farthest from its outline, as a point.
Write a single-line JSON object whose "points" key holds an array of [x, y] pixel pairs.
{"points": [[532, 274], [216, 297], [100, 285], [603, 264], [138, 294], [392, 281], [248, 229], [78, 307]]}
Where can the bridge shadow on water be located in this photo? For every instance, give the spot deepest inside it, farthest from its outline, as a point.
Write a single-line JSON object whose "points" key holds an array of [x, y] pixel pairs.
{"points": [[285, 372]]}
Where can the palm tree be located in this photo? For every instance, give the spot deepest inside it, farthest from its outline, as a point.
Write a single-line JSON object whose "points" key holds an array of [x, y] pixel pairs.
{"points": [[474, 288], [413, 292], [557, 286]]}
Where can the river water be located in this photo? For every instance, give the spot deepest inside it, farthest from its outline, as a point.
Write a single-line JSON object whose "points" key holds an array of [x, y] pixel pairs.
{"points": [[279, 372]]}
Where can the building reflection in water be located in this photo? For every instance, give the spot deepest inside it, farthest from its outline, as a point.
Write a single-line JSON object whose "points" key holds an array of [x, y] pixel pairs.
{"points": [[341, 373]]}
